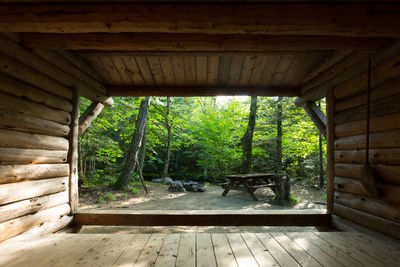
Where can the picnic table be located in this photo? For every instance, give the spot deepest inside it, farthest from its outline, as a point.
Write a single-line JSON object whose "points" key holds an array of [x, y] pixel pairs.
{"points": [[251, 182]]}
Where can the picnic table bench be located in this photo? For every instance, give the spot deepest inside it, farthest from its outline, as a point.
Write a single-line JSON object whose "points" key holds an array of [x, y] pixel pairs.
{"points": [[251, 182]]}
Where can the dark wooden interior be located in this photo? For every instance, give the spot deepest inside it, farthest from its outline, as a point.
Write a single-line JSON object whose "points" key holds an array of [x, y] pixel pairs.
{"points": [[54, 51]]}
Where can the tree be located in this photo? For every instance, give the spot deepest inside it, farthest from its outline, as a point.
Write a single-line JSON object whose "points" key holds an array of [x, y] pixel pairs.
{"points": [[168, 126], [279, 135], [130, 164], [247, 140]]}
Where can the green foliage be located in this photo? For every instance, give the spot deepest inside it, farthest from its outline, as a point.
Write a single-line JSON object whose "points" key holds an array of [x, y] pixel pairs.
{"points": [[100, 199], [110, 196], [206, 140], [293, 200]]}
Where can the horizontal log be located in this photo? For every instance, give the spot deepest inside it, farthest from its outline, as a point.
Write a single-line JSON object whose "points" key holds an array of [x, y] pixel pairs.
{"points": [[10, 102], [17, 70], [81, 63], [23, 90], [32, 205], [376, 207], [140, 219], [378, 124], [31, 156], [24, 190], [376, 156], [354, 65], [387, 139], [386, 70], [368, 220], [70, 68], [54, 71], [16, 139], [21, 122], [389, 192], [380, 107], [386, 173], [326, 63], [201, 91], [150, 42], [344, 19], [388, 88], [51, 226], [17, 226], [16, 173]]}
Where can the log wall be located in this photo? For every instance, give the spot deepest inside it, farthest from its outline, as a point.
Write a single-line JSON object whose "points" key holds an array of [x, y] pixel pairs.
{"points": [[36, 115], [351, 200]]}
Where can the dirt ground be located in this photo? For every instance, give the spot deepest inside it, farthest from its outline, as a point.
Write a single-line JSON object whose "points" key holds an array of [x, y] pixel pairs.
{"points": [[160, 198]]}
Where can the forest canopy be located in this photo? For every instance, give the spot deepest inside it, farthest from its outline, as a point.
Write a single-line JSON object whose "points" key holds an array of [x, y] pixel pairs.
{"points": [[206, 135]]}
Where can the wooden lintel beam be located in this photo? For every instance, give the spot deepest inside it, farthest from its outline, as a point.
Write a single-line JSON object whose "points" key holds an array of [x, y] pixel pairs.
{"points": [[317, 116], [105, 218], [166, 42], [201, 91], [89, 115], [334, 19]]}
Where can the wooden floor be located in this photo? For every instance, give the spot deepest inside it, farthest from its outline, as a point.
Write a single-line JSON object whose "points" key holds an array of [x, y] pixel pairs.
{"points": [[201, 249]]}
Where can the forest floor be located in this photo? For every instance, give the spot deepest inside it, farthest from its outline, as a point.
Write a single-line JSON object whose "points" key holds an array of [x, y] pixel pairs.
{"points": [[160, 198]]}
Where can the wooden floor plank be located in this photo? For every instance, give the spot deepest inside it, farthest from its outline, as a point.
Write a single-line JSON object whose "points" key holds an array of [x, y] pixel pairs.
{"points": [[12, 250], [169, 251], [242, 254], [105, 253], [388, 247], [132, 251], [350, 250], [205, 256], [149, 254], [318, 254], [259, 251], [296, 251], [333, 251], [223, 252], [277, 251], [187, 250], [380, 254]]}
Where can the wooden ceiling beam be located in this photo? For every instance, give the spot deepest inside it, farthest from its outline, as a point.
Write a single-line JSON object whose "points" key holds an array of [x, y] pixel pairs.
{"points": [[200, 91], [151, 42], [327, 19]]}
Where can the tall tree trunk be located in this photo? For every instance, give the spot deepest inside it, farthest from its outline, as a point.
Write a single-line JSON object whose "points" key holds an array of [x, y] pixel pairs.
{"points": [[247, 140], [129, 168], [142, 151], [169, 137], [279, 135]]}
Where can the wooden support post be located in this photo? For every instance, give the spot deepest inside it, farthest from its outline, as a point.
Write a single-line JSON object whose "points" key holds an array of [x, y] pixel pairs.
{"points": [[330, 138], [317, 116], [73, 153], [89, 116]]}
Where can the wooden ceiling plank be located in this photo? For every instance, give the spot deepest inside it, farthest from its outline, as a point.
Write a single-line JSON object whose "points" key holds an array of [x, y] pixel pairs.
{"points": [[247, 69], [272, 63], [334, 19], [190, 70], [281, 70], [201, 70], [168, 70], [169, 42], [212, 70], [179, 70], [300, 67], [236, 69], [100, 68], [258, 71], [200, 91], [224, 69], [133, 70], [145, 70], [156, 70], [120, 68]]}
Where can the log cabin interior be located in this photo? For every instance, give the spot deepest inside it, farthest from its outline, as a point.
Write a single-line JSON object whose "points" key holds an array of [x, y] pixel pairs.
{"points": [[54, 51]]}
